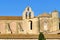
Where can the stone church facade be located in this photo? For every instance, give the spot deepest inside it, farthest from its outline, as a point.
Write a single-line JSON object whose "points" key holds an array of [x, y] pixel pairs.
{"points": [[29, 24]]}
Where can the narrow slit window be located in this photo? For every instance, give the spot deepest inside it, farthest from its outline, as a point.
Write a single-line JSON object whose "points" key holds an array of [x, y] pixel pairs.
{"points": [[59, 26], [30, 25]]}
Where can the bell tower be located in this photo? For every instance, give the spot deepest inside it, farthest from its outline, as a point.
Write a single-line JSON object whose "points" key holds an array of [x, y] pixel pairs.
{"points": [[55, 20], [28, 13]]}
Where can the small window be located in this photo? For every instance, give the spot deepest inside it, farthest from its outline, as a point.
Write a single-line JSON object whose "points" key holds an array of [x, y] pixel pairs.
{"points": [[30, 22], [59, 26]]}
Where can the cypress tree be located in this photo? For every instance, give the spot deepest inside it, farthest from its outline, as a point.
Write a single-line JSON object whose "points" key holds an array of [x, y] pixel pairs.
{"points": [[41, 36]]}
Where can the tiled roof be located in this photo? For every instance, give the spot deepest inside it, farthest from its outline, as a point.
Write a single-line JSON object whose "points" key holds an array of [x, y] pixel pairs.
{"points": [[10, 17], [45, 15]]}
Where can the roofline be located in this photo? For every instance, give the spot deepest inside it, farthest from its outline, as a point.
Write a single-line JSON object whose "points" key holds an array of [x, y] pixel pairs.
{"points": [[28, 36]]}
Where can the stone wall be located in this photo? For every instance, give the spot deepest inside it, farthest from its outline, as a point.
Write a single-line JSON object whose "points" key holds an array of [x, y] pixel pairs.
{"points": [[28, 39]]}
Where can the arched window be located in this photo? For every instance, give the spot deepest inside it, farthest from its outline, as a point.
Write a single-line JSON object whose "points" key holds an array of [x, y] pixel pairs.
{"points": [[28, 8], [29, 14], [30, 24]]}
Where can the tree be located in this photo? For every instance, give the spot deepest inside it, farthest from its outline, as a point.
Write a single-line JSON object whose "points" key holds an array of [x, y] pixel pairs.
{"points": [[41, 36]]}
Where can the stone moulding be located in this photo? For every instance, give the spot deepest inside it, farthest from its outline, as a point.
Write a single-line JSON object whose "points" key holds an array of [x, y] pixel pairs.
{"points": [[28, 36]]}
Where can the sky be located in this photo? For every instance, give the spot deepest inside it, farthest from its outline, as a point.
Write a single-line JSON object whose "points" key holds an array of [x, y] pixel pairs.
{"points": [[16, 7]]}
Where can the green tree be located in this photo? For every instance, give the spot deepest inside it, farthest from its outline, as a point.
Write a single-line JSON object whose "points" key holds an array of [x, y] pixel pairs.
{"points": [[41, 36]]}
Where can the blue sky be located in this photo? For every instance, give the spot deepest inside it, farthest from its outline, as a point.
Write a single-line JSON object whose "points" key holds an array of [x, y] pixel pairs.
{"points": [[16, 7]]}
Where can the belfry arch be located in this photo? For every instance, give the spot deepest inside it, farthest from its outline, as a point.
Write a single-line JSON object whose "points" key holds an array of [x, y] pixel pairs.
{"points": [[28, 13]]}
